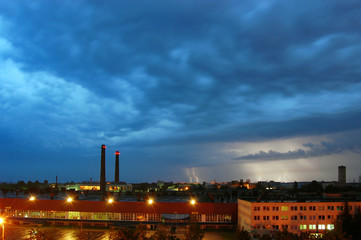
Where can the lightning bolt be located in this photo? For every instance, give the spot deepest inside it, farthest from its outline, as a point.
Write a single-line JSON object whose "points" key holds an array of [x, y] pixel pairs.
{"points": [[285, 176], [189, 176], [194, 175]]}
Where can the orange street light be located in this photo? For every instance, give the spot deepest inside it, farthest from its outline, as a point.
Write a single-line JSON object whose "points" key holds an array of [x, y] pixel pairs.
{"points": [[110, 200], [193, 202], [150, 201], [32, 198], [2, 222], [69, 199]]}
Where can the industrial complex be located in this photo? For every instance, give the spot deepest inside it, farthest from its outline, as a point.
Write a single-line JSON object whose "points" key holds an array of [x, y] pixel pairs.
{"points": [[262, 208]]}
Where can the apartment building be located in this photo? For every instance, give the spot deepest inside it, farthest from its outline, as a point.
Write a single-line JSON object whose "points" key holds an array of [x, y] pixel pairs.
{"points": [[266, 217]]}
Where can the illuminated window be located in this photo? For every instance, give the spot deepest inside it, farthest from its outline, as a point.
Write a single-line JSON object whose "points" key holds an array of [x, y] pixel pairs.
{"points": [[312, 226], [223, 218], [211, 218], [321, 226], [284, 217], [126, 217], [73, 215], [330, 226], [303, 227], [284, 208]]}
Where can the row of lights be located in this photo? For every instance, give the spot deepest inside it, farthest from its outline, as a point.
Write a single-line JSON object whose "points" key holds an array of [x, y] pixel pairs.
{"points": [[111, 200], [70, 199]]}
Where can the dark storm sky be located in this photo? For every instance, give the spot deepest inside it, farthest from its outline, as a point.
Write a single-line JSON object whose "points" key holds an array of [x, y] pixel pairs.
{"points": [[185, 90]]}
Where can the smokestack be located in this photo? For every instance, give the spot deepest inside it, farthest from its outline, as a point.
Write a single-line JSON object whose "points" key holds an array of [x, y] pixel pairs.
{"points": [[116, 174], [102, 170]]}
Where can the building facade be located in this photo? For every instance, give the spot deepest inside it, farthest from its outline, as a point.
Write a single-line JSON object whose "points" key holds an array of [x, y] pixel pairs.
{"points": [[109, 187], [117, 213], [266, 217]]}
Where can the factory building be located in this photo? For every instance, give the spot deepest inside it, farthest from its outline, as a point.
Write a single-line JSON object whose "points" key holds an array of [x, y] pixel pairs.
{"points": [[109, 187], [105, 213]]}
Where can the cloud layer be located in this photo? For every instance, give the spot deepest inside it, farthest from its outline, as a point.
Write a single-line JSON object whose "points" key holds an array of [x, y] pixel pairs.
{"points": [[312, 151], [174, 84]]}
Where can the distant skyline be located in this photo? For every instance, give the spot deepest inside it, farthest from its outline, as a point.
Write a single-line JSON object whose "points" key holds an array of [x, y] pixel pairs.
{"points": [[185, 90]]}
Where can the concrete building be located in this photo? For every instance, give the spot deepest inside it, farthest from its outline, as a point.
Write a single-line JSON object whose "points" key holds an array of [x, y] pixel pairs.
{"points": [[267, 217], [342, 176]]}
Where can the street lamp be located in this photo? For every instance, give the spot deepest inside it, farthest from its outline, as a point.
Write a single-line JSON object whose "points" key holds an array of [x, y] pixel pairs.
{"points": [[2, 222]]}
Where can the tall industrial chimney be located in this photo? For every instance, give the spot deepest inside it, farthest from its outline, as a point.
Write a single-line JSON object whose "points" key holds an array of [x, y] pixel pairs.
{"points": [[116, 174], [102, 170]]}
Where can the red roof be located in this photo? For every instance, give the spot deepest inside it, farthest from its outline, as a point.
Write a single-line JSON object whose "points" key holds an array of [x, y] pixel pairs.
{"points": [[120, 207]]}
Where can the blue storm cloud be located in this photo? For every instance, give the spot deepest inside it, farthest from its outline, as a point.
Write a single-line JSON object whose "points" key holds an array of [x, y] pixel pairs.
{"points": [[311, 151], [157, 79]]}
